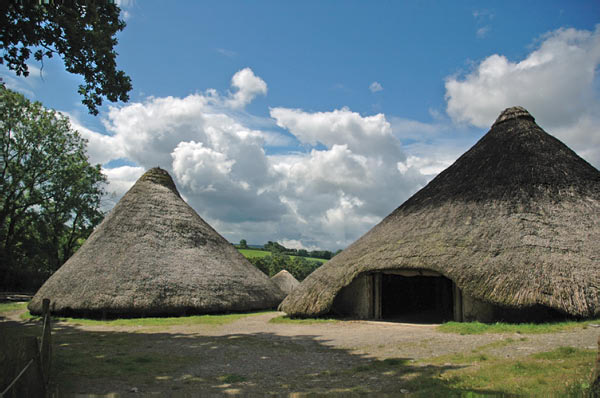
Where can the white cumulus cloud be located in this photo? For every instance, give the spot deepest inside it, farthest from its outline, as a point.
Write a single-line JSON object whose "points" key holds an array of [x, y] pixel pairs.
{"points": [[375, 87], [557, 83], [248, 86], [367, 135]]}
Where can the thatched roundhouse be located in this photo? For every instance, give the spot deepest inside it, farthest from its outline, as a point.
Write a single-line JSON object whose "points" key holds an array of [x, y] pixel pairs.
{"points": [[285, 281], [510, 231], [154, 255]]}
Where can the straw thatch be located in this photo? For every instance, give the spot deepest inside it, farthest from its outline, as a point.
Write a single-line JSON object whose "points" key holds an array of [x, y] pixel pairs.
{"points": [[285, 281], [154, 255], [514, 222]]}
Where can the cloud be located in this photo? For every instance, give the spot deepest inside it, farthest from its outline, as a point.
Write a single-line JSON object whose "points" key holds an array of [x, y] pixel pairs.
{"points": [[483, 15], [482, 19], [366, 135], [119, 179], [336, 194], [101, 148], [21, 84], [248, 86], [375, 87], [346, 171], [557, 83], [227, 53], [123, 4], [325, 198], [483, 31], [218, 162]]}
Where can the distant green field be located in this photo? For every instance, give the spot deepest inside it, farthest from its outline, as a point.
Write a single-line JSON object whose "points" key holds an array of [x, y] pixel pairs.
{"points": [[250, 253]]}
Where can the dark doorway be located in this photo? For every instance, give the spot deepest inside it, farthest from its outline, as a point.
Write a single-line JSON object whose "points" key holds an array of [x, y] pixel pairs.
{"points": [[419, 299]]}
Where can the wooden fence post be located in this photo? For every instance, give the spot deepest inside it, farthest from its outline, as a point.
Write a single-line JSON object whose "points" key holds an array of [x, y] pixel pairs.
{"points": [[595, 387], [46, 344]]}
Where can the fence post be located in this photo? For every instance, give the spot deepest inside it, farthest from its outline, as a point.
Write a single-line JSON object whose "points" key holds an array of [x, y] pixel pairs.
{"points": [[595, 387], [46, 344]]}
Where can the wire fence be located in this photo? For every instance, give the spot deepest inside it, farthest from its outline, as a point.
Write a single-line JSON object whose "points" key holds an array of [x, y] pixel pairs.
{"points": [[31, 379]]}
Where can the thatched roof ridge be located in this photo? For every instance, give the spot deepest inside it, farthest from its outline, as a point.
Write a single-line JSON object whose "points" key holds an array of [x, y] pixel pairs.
{"points": [[154, 255], [514, 221], [515, 112], [159, 176], [285, 281]]}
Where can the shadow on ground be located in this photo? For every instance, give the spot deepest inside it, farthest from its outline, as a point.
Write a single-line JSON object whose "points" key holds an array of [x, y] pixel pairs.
{"points": [[125, 363]]}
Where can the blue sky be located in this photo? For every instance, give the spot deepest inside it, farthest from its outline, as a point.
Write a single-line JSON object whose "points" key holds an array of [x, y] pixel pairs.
{"points": [[308, 122]]}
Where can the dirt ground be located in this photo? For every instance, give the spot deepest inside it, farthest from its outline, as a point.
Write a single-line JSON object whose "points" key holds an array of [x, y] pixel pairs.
{"points": [[251, 356]]}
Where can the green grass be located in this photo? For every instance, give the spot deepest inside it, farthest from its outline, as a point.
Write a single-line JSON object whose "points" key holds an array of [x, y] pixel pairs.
{"points": [[543, 374], [251, 253], [115, 356], [212, 320], [522, 328], [301, 321], [8, 307], [231, 378]]}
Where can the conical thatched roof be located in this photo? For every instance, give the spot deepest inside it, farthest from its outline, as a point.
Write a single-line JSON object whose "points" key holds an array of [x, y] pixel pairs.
{"points": [[154, 255], [285, 281], [514, 222]]}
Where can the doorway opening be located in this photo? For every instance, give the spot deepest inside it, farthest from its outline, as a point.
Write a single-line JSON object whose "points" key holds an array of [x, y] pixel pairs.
{"points": [[416, 298]]}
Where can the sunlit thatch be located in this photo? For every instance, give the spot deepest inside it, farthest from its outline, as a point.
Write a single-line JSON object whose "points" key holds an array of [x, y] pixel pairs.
{"points": [[514, 222], [154, 255]]}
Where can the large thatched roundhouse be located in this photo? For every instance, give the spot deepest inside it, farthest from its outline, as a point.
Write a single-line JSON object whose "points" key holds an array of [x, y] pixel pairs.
{"points": [[154, 255], [510, 231]]}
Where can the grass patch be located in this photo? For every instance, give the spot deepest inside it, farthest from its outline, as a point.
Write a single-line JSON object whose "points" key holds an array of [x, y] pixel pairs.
{"points": [[560, 353], [231, 378], [8, 307], [251, 253], [211, 320], [460, 359], [501, 327], [301, 321], [552, 373], [498, 344], [112, 357]]}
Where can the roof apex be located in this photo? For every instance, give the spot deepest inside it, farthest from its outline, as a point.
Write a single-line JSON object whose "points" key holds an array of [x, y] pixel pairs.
{"points": [[159, 176], [515, 112]]}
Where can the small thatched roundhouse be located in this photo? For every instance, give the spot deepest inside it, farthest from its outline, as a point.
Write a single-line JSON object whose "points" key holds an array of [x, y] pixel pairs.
{"points": [[510, 231], [154, 255], [285, 281]]}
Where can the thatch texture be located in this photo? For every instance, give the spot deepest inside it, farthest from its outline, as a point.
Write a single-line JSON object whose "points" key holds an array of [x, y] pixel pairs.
{"points": [[514, 222], [285, 281], [154, 255]]}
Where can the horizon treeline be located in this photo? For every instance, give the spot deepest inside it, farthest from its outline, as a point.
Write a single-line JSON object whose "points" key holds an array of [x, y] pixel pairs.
{"points": [[275, 247]]}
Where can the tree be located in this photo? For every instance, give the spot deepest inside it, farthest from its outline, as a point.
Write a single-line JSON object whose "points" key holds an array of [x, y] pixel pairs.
{"points": [[81, 32], [243, 244], [299, 267], [49, 193], [275, 247]]}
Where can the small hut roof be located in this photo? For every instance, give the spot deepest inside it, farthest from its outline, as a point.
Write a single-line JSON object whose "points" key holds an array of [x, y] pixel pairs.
{"points": [[285, 281], [153, 254], [515, 221]]}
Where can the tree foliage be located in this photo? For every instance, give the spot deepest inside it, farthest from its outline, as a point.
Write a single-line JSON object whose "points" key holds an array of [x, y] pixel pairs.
{"points": [[299, 267], [275, 247], [81, 32], [49, 193]]}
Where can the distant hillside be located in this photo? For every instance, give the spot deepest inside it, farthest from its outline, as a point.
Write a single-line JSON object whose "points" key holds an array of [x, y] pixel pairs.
{"points": [[254, 253]]}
